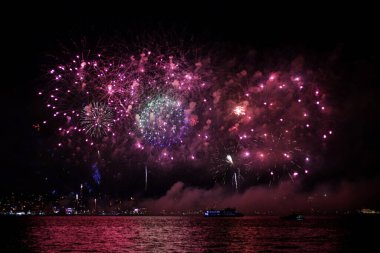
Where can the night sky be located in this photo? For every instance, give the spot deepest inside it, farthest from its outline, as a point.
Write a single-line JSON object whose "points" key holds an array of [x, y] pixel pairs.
{"points": [[337, 42]]}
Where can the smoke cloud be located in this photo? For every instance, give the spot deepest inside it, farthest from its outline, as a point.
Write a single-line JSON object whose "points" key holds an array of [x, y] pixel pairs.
{"points": [[281, 199]]}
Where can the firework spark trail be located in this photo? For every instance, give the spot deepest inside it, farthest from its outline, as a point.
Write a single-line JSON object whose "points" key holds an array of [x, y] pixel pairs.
{"points": [[146, 178], [235, 181], [169, 108]]}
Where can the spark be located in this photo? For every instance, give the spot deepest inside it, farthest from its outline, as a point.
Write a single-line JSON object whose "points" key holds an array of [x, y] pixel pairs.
{"points": [[229, 159], [239, 110]]}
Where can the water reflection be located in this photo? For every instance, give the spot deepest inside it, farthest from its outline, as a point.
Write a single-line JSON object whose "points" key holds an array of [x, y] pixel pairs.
{"points": [[176, 234]]}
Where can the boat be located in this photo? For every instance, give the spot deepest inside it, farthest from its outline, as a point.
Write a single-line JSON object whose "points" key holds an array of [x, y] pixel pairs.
{"points": [[228, 212], [294, 216]]}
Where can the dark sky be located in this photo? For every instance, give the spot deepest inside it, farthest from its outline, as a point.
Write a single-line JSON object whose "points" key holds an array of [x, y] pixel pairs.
{"points": [[34, 30]]}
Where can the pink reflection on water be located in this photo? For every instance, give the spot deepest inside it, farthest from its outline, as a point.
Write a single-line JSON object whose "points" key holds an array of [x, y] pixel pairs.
{"points": [[180, 234]]}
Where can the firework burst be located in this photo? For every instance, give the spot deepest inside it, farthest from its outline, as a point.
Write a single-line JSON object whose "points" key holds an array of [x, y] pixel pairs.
{"points": [[97, 119], [171, 109], [162, 122]]}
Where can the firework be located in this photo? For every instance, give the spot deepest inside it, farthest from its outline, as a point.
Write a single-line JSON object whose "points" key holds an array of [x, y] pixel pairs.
{"points": [[239, 110], [162, 122], [235, 181], [170, 109], [146, 178], [229, 159], [97, 119]]}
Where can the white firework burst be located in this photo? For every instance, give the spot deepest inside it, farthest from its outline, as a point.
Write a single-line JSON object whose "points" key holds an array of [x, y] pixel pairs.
{"points": [[97, 119]]}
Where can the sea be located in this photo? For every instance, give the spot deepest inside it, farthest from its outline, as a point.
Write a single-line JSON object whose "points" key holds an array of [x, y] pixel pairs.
{"points": [[188, 234]]}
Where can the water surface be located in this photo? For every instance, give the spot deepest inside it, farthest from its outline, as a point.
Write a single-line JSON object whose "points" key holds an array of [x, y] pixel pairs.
{"points": [[186, 234]]}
